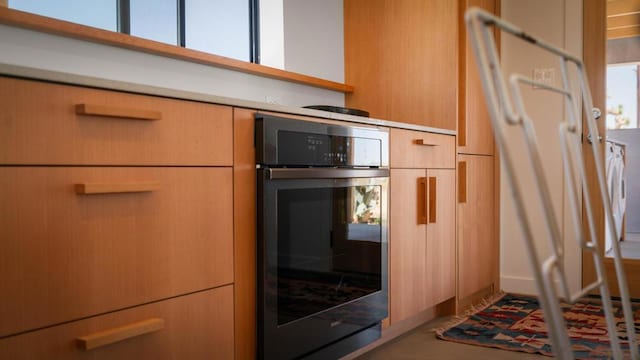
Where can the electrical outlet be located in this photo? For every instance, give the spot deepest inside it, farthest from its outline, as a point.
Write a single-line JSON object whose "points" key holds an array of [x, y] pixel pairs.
{"points": [[546, 76], [272, 100]]}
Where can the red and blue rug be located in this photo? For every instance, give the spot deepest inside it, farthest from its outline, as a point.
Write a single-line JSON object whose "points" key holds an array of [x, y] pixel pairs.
{"points": [[515, 322]]}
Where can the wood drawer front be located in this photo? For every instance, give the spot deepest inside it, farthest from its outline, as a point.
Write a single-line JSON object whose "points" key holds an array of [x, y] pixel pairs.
{"points": [[196, 326], [66, 256], [420, 150], [39, 124]]}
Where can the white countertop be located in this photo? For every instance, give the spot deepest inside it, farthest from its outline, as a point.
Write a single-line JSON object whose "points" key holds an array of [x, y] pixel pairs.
{"points": [[39, 74]]}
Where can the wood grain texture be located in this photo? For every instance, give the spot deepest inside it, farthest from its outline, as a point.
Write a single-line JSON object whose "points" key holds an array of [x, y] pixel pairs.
{"points": [[594, 55], [190, 133], [58, 27], [408, 290], [407, 152], [120, 333], [113, 111], [623, 32], [244, 212], [66, 256], [478, 248], [197, 326], [441, 236], [401, 56], [475, 134], [422, 257]]}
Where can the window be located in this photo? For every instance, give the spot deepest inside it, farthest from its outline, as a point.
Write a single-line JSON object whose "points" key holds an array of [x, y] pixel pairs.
{"points": [[97, 13], [622, 96], [222, 27], [155, 20]]}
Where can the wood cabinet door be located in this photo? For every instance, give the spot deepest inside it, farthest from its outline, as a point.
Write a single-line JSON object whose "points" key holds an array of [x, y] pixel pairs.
{"points": [[407, 244], [478, 251], [401, 56], [475, 135], [441, 235], [81, 241]]}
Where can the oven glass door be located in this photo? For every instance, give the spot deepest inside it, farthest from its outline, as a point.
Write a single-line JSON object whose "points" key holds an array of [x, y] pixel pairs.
{"points": [[323, 246]]}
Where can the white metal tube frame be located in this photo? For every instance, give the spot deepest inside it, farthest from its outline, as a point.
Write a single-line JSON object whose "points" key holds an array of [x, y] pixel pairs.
{"points": [[503, 113]]}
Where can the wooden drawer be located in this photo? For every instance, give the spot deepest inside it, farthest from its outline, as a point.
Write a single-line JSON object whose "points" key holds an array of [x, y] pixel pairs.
{"points": [[67, 255], [196, 326], [41, 124], [420, 150]]}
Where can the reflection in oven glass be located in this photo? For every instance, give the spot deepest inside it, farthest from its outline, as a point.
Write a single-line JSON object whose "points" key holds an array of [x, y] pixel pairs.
{"points": [[329, 248]]}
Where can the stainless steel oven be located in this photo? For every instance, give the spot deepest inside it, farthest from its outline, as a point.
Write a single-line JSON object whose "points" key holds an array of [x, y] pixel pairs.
{"points": [[322, 237]]}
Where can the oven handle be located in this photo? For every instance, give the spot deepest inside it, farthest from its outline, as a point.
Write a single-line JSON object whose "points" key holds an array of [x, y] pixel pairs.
{"points": [[321, 173]]}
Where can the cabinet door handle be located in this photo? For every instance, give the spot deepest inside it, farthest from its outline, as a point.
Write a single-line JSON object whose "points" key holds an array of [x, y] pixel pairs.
{"points": [[462, 182], [423, 143], [432, 199], [112, 111], [115, 335], [115, 188], [422, 201]]}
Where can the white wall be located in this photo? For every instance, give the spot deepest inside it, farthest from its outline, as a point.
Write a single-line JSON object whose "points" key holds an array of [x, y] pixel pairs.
{"points": [[313, 38], [272, 33], [50, 52], [559, 23]]}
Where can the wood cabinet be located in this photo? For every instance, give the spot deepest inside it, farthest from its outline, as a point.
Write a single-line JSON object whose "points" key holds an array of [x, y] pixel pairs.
{"points": [[478, 247], [478, 244], [197, 326], [475, 135], [116, 210], [401, 57], [422, 245], [69, 254], [44, 123]]}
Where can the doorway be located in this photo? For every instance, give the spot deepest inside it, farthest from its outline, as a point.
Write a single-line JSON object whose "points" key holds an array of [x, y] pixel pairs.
{"points": [[611, 31]]}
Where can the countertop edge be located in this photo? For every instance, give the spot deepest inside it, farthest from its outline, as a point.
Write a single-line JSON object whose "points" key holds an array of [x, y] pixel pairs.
{"points": [[74, 79]]}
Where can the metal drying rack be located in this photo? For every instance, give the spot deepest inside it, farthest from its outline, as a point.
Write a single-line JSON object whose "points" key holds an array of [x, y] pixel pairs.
{"points": [[508, 110]]}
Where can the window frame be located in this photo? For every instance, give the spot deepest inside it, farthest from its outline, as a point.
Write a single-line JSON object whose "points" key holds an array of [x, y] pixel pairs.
{"points": [[21, 19]]}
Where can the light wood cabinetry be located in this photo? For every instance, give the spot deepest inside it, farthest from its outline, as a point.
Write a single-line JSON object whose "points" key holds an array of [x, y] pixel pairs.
{"points": [[45, 123], [197, 326], [421, 225], [478, 247], [401, 57], [117, 218], [67, 255], [474, 125]]}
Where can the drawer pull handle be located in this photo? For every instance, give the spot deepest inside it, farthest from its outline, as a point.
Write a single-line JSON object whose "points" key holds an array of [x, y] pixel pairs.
{"points": [[422, 200], [114, 188], [110, 111], [423, 143], [462, 182], [432, 199], [115, 335]]}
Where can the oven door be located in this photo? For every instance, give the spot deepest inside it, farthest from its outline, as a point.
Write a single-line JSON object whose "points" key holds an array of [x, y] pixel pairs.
{"points": [[322, 257]]}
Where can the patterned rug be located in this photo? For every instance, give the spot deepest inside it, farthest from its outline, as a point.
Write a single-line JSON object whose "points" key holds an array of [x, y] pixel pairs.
{"points": [[515, 322]]}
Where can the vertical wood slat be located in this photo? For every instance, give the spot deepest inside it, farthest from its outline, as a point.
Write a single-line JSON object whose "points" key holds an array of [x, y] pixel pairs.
{"points": [[422, 201], [462, 182], [432, 186]]}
